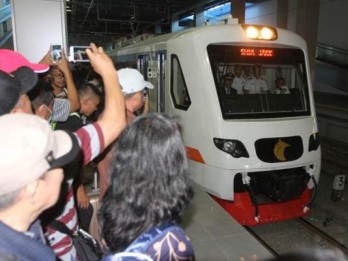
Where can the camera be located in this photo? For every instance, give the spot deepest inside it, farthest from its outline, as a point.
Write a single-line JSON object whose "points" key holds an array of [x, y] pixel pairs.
{"points": [[56, 52], [78, 54], [145, 93]]}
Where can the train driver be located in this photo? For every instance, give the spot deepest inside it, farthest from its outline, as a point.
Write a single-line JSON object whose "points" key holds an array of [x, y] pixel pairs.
{"points": [[227, 84], [256, 83], [239, 80], [280, 86]]}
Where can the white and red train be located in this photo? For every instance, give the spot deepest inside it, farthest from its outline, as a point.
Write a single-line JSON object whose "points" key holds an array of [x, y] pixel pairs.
{"points": [[258, 152]]}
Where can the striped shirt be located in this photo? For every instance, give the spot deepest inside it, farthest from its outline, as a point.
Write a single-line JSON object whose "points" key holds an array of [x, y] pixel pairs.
{"points": [[91, 141]]}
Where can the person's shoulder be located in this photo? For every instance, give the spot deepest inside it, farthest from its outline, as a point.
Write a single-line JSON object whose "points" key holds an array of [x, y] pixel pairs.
{"points": [[91, 141], [73, 123], [249, 80], [172, 241]]}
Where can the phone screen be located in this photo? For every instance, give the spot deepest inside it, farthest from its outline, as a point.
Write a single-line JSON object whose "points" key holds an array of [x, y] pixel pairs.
{"points": [[80, 54], [56, 52]]}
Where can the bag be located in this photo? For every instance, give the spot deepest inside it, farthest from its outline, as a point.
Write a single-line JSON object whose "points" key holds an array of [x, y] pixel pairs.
{"points": [[86, 246]]}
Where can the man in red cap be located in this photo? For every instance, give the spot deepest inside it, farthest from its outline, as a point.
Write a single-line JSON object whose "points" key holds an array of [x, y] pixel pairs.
{"points": [[11, 60]]}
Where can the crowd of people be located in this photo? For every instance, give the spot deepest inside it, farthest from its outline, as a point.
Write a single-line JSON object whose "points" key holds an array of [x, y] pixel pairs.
{"points": [[48, 136]]}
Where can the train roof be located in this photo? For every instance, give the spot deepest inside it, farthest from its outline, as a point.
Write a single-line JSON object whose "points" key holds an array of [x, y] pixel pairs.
{"points": [[287, 37]]}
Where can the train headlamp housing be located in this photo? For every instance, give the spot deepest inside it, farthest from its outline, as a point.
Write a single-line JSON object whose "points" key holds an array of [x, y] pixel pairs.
{"points": [[314, 142], [260, 32], [233, 147]]}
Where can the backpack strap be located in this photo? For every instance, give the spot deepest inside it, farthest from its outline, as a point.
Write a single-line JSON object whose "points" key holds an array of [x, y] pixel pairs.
{"points": [[61, 227]]}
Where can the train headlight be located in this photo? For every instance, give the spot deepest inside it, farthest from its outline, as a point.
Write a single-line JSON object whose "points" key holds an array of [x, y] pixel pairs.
{"points": [[252, 32], [266, 33], [232, 147], [314, 142], [260, 32]]}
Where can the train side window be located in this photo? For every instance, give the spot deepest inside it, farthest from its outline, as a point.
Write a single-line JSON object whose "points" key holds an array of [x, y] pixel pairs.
{"points": [[178, 88]]}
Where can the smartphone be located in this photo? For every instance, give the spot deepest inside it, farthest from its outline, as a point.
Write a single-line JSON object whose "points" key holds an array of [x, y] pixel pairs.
{"points": [[56, 52], [78, 54]]}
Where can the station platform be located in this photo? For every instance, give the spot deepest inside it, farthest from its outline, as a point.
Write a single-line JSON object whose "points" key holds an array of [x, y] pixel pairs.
{"points": [[215, 235]]}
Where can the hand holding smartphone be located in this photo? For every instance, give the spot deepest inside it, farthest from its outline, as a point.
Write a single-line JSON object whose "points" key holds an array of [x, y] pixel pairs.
{"points": [[56, 52], [78, 54]]}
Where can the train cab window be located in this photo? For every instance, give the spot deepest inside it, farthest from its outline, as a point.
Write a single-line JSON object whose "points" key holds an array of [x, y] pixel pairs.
{"points": [[266, 82], [178, 88]]}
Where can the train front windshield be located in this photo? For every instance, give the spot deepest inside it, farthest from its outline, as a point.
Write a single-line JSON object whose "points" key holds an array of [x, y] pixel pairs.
{"points": [[255, 83]]}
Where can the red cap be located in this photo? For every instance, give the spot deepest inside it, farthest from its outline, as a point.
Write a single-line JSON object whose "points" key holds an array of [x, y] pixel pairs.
{"points": [[10, 61]]}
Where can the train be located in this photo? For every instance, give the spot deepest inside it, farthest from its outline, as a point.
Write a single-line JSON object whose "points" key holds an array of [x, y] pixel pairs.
{"points": [[257, 153]]}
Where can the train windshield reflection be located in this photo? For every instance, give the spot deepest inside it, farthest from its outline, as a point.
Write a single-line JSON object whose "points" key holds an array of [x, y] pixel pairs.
{"points": [[255, 82]]}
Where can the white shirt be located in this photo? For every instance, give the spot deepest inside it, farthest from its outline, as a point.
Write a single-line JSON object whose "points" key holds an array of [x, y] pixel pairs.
{"points": [[282, 90], [254, 85], [238, 84]]}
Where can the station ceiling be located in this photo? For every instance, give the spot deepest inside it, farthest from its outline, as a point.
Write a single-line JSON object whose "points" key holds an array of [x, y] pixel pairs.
{"points": [[103, 21]]}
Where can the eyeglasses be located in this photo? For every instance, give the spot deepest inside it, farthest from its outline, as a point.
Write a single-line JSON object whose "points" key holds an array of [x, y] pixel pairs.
{"points": [[59, 76]]}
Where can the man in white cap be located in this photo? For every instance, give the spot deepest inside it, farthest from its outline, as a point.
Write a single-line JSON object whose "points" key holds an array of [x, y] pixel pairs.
{"points": [[31, 159], [134, 88]]}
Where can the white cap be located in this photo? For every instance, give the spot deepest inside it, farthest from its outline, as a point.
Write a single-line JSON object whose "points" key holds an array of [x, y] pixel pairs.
{"points": [[132, 80], [29, 147]]}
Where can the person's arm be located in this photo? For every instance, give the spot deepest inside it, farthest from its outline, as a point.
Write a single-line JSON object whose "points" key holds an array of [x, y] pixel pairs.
{"points": [[47, 59], [82, 199], [113, 119], [73, 96]]}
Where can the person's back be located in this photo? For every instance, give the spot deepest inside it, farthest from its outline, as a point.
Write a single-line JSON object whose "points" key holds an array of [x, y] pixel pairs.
{"points": [[149, 185], [133, 86], [68, 210]]}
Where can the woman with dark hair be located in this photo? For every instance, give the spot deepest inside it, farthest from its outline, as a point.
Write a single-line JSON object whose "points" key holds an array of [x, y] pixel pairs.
{"points": [[148, 191]]}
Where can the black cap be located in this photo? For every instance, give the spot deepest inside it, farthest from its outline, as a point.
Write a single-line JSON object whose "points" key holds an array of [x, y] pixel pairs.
{"points": [[13, 85], [229, 76]]}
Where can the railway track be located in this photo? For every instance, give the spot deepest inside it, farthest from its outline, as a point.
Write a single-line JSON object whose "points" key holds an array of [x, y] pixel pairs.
{"points": [[327, 226], [324, 236], [294, 235], [336, 154]]}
